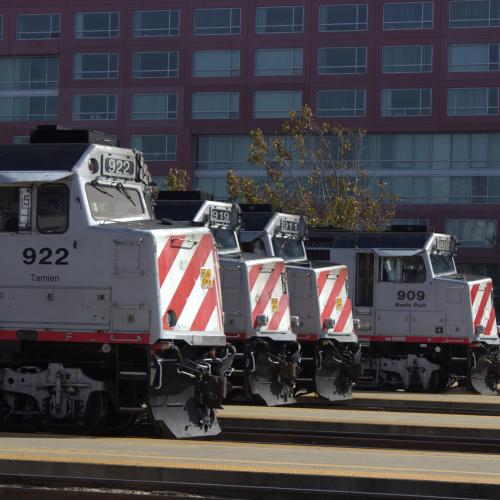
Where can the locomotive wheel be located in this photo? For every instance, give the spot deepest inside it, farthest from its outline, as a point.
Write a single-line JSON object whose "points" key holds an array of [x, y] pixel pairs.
{"points": [[96, 412], [439, 381]]}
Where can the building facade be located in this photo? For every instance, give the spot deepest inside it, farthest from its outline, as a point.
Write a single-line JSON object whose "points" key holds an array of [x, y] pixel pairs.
{"points": [[186, 80]]}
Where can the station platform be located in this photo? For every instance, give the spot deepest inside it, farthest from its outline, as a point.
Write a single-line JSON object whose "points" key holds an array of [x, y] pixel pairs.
{"points": [[267, 470], [156, 463]]}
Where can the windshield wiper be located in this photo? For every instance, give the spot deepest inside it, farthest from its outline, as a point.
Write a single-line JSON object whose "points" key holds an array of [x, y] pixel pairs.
{"points": [[123, 190], [95, 185]]}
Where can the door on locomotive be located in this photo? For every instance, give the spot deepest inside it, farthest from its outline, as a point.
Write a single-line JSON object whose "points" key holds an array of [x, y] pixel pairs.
{"points": [[255, 301], [422, 325], [81, 310], [318, 297]]}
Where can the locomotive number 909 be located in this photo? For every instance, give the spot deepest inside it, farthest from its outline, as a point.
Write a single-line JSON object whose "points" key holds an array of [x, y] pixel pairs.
{"points": [[118, 167]]}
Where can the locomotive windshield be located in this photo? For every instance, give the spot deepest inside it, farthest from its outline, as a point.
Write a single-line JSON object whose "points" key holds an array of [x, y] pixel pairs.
{"points": [[225, 239], [442, 263], [289, 248], [114, 202]]}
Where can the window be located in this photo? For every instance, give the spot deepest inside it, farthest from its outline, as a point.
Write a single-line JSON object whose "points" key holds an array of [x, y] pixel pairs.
{"points": [[9, 209], [95, 107], [97, 25], [473, 57], [21, 139], [406, 102], [217, 21], [156, 23], [278, 62], [155, 65], [473, 232], [215, 105], [408, 15], [38, 26], [337, 103], [475, 101], [221, 152], [28, 108], [348, 17], [402, 269], [474, 13], [407, 59], [95, 66], [109, 202], [29, 73], [276, 104], [279, 19], [154, 107], [52, 211], [341, 60], [156, 147], [221, 63]]}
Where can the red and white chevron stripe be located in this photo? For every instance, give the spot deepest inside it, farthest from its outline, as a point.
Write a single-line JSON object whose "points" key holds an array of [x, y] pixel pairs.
{"points": [[267, 296], [189, 283], [333, 299], [483, 312]]}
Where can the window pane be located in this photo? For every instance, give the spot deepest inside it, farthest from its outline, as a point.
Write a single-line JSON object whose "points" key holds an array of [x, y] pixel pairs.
{"points": [[215, 105], [217, 22], [473, 57], [353, 17], [341, 60], [156, 23], [341, 103], [210, 63], [97, 25], [408, 15], [38, 26], [279, 19], [474, 101], [29, 73], [156, 147], [28, 108], [95, 107], [154, 107], [276, 104], [473, 232], [406, 102], [52, 213], [474, 13], [278, 62], [95, 66], [407, 59], [156, 65]]}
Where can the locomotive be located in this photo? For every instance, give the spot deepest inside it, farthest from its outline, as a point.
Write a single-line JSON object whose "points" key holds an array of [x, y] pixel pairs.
{"points": [[105, 313], [318, 298], [421, 324], [255, 300]]}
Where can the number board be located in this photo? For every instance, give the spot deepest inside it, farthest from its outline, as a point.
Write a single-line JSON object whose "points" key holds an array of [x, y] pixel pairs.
{"points": [[442, 244], [118, 167], [220, 216], [288, 226]]}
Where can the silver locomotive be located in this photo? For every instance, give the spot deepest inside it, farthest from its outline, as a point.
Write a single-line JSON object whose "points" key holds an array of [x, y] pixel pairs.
{"points": [[422, 325], [105, 314]]}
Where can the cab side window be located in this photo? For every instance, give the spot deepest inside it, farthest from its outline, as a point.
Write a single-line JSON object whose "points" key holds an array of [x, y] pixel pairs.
{"points": [[9, 209], [52, 212], [413, 269], [390, 269]]}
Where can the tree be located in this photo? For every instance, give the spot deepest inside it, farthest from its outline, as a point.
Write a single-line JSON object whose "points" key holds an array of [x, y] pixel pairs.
{"points": [[313, 168], [177, 179]]}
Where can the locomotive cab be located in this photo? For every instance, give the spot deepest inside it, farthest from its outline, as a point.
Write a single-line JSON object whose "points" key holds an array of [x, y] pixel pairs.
{"points": [[255, 301], [318, 298], [422, 325], [103, 316]]}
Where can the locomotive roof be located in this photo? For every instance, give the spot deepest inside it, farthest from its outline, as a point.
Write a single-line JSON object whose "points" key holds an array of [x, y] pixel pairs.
{"points": [[40, 157], [328, 238], [255, 221]]}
